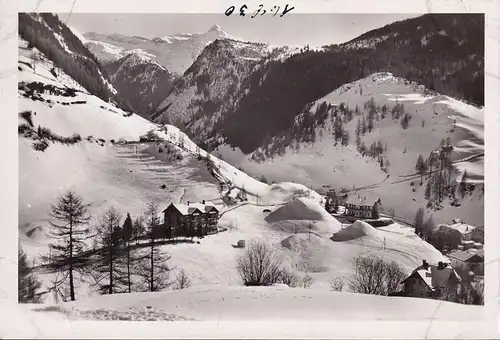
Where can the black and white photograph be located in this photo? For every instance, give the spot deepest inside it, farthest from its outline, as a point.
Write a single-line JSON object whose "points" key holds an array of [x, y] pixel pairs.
{"points": [[252, 164]]}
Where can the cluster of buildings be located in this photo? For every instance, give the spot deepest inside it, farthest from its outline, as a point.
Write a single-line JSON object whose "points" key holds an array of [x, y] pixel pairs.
{"points": [[435, 281], [432, 281], [191, 219]]}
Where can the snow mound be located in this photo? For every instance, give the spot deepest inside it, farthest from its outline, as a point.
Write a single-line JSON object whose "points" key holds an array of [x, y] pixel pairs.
{"points": [[303, 215], [356, 230], [299, 209]]}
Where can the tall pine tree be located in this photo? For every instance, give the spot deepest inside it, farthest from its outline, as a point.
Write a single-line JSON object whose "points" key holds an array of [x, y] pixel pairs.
{"points": [[127, 235], [421, 167], [69, 231], [107, 272], [463, 185], [154, 265]]}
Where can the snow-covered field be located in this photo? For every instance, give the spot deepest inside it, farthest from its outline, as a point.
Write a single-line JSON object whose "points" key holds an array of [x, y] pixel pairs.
{"points": [[222, 303], [243, 312]]}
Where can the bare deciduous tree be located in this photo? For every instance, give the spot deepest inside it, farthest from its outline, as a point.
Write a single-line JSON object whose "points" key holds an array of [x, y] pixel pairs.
{"points": [[306, 281], [337, 283], [182, 280], [289, 278], [394, 275], [373, 275], [258, 265]]}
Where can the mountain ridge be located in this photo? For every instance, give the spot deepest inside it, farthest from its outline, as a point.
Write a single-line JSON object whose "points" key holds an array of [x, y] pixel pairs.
{"points": [[174, 52]]}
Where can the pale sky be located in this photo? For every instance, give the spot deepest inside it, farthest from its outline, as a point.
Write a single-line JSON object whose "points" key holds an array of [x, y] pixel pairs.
{"points": [[291, 29]]}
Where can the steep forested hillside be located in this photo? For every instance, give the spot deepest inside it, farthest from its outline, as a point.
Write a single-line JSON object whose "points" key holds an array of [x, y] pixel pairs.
{"points": [[58, 43], [210, 87]]}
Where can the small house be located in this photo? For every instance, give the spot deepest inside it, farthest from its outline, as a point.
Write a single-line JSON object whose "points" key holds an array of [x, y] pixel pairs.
{"points": [[477, 234], [430, 281], [468, 261], [466, 230]]}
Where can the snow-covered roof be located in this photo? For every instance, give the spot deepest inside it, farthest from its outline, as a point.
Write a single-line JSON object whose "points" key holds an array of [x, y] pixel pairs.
{"points": [[185, 209], [363, 198], [463, 228], [479, 252], [433, 276], [464, 256], [188, 209], [204, 207]]}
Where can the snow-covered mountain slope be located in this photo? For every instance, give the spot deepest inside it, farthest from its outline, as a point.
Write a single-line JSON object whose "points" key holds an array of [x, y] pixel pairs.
{"points": [[140, 80], [108, 173], [176, 53], [210, 86], [309, 153]]}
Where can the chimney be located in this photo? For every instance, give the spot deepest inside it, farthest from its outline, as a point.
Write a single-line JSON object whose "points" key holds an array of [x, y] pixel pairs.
{"points": [[425, 265], [188, 202], [203, 202], [440, 265]]}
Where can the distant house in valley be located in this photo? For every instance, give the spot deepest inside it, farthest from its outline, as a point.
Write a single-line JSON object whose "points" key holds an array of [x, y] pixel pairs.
{"points": [[191, 219], [430, 281], [465, 229], [472, 237], [363, 206], [478, 234], [468, 261]]}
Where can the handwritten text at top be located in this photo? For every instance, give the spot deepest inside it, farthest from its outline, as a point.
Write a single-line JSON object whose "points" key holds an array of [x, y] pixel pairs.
{"points": [[260, 11]]}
